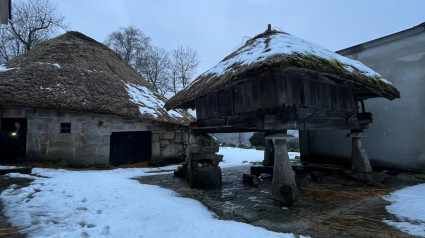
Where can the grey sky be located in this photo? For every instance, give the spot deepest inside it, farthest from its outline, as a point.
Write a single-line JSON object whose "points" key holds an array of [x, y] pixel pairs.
{"points": [[215, 28]]}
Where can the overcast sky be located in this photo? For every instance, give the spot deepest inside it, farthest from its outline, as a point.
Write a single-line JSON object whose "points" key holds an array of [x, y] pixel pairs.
{"points": [[215, 28]]}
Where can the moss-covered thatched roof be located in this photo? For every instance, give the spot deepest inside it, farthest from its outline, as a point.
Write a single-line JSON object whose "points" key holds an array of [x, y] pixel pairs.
{"points": [[273, 50], [75, 72]]}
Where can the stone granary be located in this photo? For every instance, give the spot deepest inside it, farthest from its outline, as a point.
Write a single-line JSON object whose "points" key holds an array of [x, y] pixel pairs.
{"points": [[276, 82], [73, 101]]}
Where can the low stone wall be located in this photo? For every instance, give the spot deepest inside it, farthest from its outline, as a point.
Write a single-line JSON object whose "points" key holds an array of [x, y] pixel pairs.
{"points": [[88, 143]]}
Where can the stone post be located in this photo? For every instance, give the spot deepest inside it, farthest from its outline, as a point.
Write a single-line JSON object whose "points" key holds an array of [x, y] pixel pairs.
{"points": [[201, 168], [359, 159], [283, 175]]}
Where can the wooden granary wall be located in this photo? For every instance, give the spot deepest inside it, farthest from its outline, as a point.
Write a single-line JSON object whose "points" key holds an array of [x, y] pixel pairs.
{"points": [[280, 99]]}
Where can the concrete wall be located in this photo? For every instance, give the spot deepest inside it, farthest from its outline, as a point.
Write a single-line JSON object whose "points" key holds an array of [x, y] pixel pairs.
{"points": [[89, 140], [396, 138]]}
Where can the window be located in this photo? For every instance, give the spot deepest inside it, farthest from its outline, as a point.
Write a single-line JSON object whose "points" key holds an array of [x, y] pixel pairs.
{"points": [[66, 127]]}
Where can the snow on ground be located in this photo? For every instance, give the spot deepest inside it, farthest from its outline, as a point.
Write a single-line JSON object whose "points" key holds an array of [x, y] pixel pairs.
{"points": [[408, 205], [10, 167], [237, 157], [61, 203]]}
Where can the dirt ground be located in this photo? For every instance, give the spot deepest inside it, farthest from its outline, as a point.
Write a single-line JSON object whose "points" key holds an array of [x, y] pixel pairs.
{"points": [[331, 206]]}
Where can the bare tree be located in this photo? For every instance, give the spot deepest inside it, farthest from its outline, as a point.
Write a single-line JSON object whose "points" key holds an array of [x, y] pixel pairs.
{"points": [[33, 21], [184, 63], [129, 42], [153, 66]]}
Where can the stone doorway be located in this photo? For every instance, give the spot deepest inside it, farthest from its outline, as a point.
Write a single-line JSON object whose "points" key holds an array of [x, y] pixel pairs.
{"points": [[13, 139]]}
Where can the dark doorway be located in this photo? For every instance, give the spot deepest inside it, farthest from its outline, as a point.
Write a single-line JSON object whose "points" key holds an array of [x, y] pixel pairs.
{"points": [[13, 139], [130, 147]]}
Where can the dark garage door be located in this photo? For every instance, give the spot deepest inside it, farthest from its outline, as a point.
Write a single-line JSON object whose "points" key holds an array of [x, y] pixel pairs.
{"points": [[130, 147]]}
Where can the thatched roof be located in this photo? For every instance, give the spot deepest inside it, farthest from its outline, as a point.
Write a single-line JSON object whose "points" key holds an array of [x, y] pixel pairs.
{"points": [[75, 72], [273, 50]]}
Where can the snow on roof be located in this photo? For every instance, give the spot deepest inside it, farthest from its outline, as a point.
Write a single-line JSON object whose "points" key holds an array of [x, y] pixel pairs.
{"points": [[3, 68], [275, 50], [148, 102], [285, 44]]}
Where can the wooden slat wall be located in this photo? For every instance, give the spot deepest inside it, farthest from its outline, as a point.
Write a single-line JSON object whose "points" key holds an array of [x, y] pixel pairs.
{"points": [[274, 92]]}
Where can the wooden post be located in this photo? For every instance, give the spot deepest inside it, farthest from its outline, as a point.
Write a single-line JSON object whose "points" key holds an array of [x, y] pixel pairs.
{"points": [[282, 171], [269, 27]]}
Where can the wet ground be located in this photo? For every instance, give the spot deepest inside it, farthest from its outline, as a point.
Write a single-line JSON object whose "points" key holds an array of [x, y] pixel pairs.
{"points": [[329, 206]]}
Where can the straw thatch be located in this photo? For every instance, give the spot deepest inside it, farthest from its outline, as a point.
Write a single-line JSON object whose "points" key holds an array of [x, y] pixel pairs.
{"points": [[275, 50], [75, 72]]}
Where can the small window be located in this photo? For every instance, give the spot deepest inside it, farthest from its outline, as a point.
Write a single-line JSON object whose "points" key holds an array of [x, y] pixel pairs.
{"points": [[65, 127]]}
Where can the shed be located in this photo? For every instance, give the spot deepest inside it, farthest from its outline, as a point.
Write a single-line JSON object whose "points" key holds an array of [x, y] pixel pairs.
{"points": [[73, 100], [276, 82]]}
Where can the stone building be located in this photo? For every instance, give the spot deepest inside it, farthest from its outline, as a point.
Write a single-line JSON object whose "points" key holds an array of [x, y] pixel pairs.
{"points": [[396, 139], [72, 100]]}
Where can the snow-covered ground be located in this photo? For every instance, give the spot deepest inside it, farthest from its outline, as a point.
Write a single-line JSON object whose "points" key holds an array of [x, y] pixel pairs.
{"points": [[237, 157], [408, 205], [61, 203]]}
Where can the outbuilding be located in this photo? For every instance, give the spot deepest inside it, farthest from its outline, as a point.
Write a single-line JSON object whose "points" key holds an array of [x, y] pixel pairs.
{"points": [[72, 100]]}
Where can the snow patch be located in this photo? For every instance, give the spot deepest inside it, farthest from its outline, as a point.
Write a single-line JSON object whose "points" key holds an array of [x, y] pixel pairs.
{"points": [[237, 157], [3, 68], [408, 205], [148, 102], [43, 88]]}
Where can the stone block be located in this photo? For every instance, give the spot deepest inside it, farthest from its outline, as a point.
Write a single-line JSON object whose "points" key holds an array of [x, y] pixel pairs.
{"points": [[156, 149], [47, 137], [169, 135], [60, 153], [164, 142], [42, 127], [250, 179], [205, 177], [106, 140], [178, 138], [89, 127], [66, 143], [75, 139], [204, 149], [103, 151], [86, 151], [91, 139], [173, 150], [185, 137], [160, 129], [155, 137], [33, 143]]}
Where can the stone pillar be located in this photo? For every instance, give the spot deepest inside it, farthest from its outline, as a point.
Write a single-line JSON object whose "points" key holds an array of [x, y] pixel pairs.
{"points": [[283, 175], [359, 159], [201, 168]]}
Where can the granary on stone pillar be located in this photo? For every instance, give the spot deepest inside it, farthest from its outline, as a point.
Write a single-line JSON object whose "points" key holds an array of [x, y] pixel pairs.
{"points": [[277, 81]]}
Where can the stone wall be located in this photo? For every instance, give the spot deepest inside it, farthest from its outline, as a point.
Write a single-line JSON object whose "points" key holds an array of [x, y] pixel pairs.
{"points": [[89, 140]]}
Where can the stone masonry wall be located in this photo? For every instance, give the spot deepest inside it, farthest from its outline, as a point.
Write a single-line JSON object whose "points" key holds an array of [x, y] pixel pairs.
{"points": [[89, 140]]}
